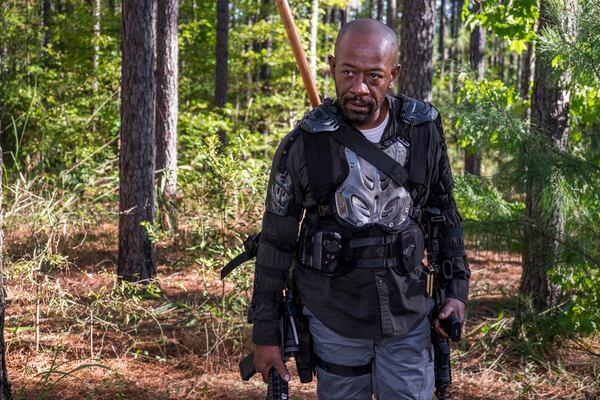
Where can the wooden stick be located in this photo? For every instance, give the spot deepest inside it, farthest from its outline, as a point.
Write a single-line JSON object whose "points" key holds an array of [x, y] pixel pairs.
{"points": [[292, 32]]}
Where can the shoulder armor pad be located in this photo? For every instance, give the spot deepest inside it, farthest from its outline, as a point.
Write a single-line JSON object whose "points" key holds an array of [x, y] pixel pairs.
{"points": [[417, 112], [323, 118]]}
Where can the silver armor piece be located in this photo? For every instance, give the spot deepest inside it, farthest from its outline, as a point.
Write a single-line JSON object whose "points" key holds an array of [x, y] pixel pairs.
{"points": [[280, 196], [368, 197]]}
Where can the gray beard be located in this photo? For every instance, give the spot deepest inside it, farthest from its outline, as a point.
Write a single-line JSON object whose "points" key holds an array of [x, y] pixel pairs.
{"points": [[356, 117]]}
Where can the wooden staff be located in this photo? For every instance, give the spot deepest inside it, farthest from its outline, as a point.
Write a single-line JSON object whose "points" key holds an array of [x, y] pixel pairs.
{"points": [[292, 32]]}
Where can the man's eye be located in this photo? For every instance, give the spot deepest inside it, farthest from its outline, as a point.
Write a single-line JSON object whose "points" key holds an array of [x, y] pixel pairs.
{"points": [[375, 76], [348, 73]]}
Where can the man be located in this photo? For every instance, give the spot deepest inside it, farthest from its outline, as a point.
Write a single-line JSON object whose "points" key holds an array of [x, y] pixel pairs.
{"points": [[359, 273]]}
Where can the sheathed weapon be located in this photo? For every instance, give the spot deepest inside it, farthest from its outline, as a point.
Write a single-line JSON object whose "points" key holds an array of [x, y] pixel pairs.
{"points": [[438, 277]]}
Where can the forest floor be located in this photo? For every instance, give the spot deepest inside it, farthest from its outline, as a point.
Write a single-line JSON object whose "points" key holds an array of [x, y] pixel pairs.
{"points": [[90, 342]]}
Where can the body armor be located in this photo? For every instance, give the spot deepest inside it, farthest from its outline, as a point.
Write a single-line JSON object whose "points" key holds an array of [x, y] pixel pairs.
{"points": [[368, 221], [368, 197]]}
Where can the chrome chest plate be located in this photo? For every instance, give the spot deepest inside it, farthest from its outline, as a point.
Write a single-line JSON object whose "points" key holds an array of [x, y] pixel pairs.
{"points": [[368, 197]]}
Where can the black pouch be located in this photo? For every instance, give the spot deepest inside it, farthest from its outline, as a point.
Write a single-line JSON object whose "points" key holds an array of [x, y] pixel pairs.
{"points": [[322, 249], [412, 248]]}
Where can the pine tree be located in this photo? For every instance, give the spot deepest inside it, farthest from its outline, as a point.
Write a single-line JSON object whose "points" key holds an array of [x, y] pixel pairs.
{"points": [[137, 259]]}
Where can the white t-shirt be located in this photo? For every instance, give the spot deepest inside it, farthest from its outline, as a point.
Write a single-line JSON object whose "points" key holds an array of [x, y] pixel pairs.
{"points": [[374, 134]]}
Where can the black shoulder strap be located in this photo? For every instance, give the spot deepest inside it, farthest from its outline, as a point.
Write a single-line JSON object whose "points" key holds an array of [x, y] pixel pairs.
{"points": [[357, 142], [318, 162]]}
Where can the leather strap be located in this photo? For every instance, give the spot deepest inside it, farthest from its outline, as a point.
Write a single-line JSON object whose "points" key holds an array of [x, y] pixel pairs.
{"points": [[357, 142], [343, 370]]}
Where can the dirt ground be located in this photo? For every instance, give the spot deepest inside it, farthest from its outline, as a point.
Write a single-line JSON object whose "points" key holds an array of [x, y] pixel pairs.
{"points": [[187, 348]]}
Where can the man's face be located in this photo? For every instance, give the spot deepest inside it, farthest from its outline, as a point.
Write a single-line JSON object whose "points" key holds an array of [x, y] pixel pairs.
{"points": [[364, 70]]}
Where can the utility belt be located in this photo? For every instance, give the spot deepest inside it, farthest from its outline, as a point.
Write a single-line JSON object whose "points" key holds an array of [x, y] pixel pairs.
{"points": [[328, 249]]}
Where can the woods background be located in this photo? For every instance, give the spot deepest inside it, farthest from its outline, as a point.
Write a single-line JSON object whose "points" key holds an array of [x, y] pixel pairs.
{"points": [[136, 141]]}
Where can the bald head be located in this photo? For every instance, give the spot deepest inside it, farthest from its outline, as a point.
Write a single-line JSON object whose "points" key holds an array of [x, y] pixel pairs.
{"points": [[369, 27]]}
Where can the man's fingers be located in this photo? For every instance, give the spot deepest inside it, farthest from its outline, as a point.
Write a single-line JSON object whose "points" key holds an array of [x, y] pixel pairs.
{"points": [[438, 328], [446, 311], [282, 370], [265, 375]]}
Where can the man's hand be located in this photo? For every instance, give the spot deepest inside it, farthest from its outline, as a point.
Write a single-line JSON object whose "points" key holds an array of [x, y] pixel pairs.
{"points": [[450, 306], [266, 357]]}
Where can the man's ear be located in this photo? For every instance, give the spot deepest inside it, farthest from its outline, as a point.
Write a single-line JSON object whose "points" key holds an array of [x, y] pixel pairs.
{"points": [[395, 74], [331, 60]]}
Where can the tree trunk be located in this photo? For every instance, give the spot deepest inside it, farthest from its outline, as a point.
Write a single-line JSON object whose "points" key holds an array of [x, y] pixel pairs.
{"points": [[265, 69], [379, 10], [95, 58], [416, 48], [392, 12], [527, 71], [137, 260], [477, 47], [222, 53], [221, 75], [477, 60], [4, 384], [442, 36], [314, 26], [453, 28], [263, 76], [167, 73], [343, 16], [46, 21], [550, 121]]}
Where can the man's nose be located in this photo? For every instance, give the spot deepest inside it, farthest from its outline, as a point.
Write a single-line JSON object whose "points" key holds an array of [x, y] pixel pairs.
{"points": [[359, 87]]}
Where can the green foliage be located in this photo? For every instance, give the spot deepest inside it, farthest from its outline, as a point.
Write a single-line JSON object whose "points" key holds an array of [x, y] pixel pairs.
{"points": [[574, 47], [513, 20], [490, 117]]}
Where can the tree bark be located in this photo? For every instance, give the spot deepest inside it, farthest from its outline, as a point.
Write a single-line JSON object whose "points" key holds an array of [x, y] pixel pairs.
{"points": [[477, 46], [137, 260], [47, 22], [379, 10], [442, 36], [314, 28], [392, 12], [222, 55], [5, 393], [477, 60], [95, 58], [265, 69], [416, 48], [527, 71], [263, 76], [546, 219], [167, 106]]}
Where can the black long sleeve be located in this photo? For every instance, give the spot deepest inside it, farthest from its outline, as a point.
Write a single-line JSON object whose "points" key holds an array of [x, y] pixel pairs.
{"points": [[451, 234], [277, 240]]}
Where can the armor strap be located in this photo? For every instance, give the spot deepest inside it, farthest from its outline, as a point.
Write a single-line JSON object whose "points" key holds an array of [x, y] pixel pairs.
{"points": [[317, 153], [372, 241], [357, 142], [343, 370], [378, 263], [327, 210]]}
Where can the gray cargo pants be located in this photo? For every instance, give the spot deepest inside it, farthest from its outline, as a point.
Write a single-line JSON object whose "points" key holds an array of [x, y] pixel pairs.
{"points": [[402, 367]]}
